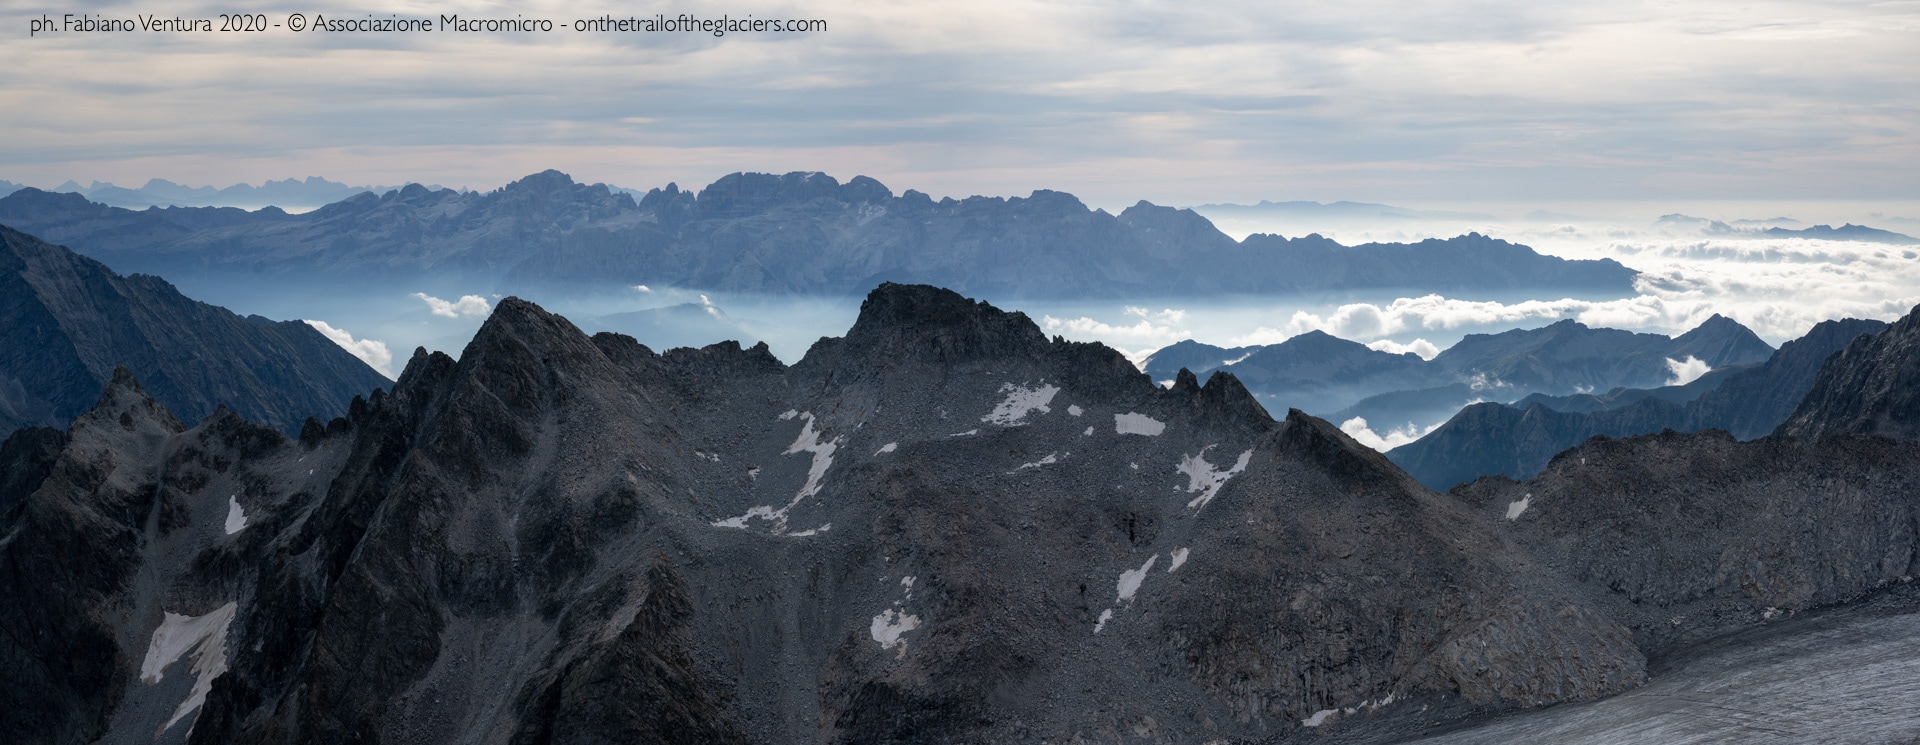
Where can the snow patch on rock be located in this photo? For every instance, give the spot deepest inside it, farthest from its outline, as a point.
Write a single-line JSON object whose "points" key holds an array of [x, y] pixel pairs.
{"points": [[1179, 557], [1020, 401], [204, 638], [1130, 580], [1518, 506], [890, 625], [1105, 616], [808, 442], [1131, 423], [1203, 478], [236, 517], [1047, 461]]}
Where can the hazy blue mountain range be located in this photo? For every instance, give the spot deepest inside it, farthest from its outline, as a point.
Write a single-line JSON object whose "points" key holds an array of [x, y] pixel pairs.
{"points": [[1848, 232], [1775, 228], [297, 194], [66, 321], [1324, 375], [801, 233], [1342, 211], [682, 325], [1518, 440]]}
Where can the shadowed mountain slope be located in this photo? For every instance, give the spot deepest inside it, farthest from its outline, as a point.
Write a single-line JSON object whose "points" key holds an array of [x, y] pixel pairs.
{"points": [[1517, 441], [1870, 387], [66, 322]]}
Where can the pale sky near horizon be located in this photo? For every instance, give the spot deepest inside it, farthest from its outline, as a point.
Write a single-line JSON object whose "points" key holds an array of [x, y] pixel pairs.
{"points": [[1178, 104]]}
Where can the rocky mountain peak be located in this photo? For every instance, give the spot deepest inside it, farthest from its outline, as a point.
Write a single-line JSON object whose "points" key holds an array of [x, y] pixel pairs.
{"points": [[125, 405], [1871, 387], [741, 194], [929, 324]]}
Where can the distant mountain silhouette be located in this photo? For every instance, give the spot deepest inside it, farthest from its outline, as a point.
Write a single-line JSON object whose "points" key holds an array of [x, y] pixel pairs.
{"points": [[288, 193], [800, 233], [1327, 376], [1518, 440]]}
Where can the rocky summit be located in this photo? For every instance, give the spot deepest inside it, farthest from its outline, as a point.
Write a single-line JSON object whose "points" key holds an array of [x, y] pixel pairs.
{"points": [[1870, 387], [941, 527]]}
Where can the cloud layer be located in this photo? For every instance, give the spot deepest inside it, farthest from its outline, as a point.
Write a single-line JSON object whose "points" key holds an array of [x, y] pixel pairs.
{"points": [[1236, 101]]}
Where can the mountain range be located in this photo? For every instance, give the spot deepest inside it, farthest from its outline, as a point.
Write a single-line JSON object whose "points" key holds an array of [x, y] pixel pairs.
{"points": [[1519, 439], [800, 233], [941, 527], [295, 194], [1325, 375], [66, 322]]}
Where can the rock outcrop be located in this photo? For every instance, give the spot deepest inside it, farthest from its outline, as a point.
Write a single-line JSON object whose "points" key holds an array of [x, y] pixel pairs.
{"points": [[1684, 537], [1870, 387]]}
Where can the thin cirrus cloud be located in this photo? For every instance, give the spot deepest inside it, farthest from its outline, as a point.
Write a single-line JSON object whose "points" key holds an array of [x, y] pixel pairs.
{"points": [[1177, 104]]}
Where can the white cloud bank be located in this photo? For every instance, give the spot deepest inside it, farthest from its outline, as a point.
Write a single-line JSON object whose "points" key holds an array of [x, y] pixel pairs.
{"points": [[1687, 370], [1421, 347], [370, 351], [1357, 429], [468, 305]]}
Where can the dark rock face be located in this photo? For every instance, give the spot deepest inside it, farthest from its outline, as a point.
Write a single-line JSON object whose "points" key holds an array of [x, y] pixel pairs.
{"points": [[942, 527], [1686, 536], [1490, 438], [1752, 404], [799, 233], [1870, 387], [67, 322], [1517, 441]]}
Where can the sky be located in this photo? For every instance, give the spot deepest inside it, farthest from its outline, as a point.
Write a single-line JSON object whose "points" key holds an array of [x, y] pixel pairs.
{"points": [[1177, 103]]}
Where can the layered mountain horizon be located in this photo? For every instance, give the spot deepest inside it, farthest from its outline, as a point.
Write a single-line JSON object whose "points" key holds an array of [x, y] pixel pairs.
{"points": [[1329, 376]]}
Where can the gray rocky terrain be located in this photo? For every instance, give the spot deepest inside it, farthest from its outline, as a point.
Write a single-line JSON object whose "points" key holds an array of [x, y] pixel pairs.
{"points": [[941, 527], [66, 321], [1870, 387]]}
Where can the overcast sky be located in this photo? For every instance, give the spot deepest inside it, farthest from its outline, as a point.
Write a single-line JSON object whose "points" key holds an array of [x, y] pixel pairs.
{"points": [[1409, 102]]}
